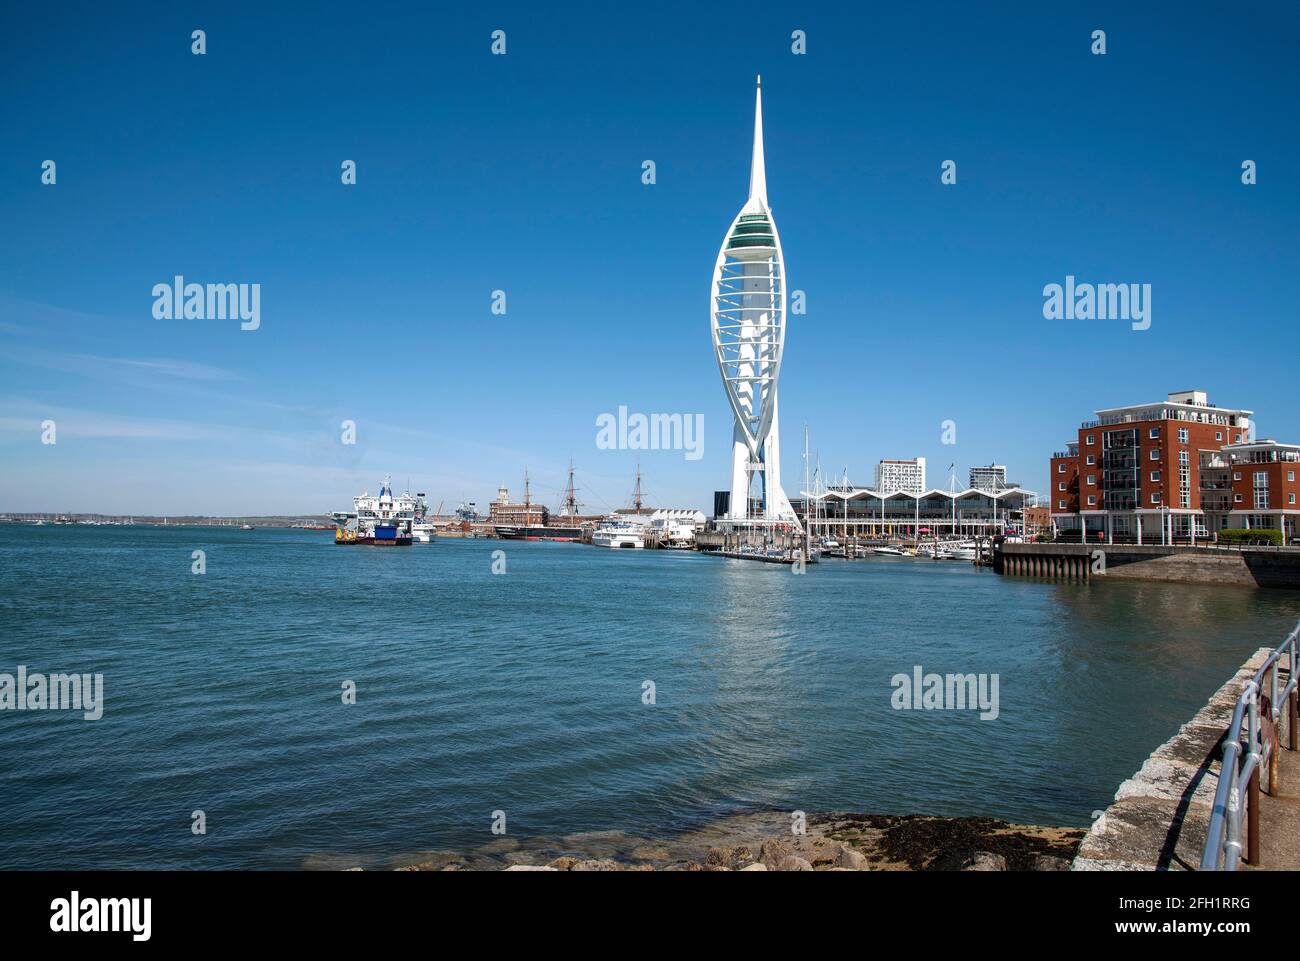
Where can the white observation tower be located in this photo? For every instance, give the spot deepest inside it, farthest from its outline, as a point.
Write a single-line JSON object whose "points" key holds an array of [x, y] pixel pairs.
{"points": [[747, 309]]}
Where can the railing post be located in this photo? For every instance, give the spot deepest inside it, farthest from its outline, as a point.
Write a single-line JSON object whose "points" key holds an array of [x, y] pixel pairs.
{"points": [[1252, 820], [1295, 709], [1270, 723], [1232, 848], [1255, 754], [1294, 706]]}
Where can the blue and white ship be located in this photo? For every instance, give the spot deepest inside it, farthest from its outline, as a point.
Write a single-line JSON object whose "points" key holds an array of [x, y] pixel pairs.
{"points": [[382, 519]]}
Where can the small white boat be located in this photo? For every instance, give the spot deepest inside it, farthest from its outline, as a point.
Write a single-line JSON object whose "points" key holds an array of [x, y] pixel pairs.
{"points": [[887, 551], [423, 532]]}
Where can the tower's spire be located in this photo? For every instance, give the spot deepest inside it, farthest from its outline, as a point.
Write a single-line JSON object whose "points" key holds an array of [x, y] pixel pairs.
{"points": [[757, 172]]}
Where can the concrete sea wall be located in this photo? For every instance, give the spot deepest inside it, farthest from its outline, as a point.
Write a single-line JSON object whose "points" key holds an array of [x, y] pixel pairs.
{"points": [[1248, 567], [1159, 818]]}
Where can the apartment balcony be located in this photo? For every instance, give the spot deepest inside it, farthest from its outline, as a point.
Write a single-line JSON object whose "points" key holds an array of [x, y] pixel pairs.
{"points": [[1267, 457], [1161, 413]]}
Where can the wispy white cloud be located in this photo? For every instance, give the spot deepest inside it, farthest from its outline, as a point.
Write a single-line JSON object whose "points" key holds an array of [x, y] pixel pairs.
{"points": [[130, 369], [187, 370], [20, 415], [90, 425]]}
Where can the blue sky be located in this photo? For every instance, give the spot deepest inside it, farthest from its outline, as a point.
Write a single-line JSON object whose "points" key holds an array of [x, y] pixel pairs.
{"points": [[523, 173]]}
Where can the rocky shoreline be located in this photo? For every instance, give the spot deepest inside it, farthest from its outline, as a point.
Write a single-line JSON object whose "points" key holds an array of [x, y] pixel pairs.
{"points": [[833, 841]]}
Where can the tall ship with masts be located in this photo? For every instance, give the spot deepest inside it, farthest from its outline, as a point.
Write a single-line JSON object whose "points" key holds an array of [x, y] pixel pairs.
{"points": [[534, 522]]}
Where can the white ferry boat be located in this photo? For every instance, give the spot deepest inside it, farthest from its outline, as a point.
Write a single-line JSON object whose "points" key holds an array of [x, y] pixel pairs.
{"points": [[423, 531], [619, 533], [381, 519]]}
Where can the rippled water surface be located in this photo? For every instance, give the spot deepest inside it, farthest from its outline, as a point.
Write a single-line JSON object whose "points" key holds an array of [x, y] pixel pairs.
{"points": [[522, 692]]}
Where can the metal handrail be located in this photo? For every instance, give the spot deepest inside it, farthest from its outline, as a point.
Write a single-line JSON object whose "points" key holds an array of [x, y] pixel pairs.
{"points": [[1239, 775]]}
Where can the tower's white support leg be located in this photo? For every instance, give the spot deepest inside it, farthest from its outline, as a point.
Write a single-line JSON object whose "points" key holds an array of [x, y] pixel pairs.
{"points": [[739, 474]]}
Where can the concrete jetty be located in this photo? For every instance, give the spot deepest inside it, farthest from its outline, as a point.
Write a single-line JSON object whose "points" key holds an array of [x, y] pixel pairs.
{"points": [[753, 543], [1160, 816]]}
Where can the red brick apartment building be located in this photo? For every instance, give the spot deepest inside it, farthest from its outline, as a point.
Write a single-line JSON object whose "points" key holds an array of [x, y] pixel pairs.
{"points": [[1177, 471]]}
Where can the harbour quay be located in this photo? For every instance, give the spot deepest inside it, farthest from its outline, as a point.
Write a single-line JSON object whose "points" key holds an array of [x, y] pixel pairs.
{"points": [[1175, 563]]}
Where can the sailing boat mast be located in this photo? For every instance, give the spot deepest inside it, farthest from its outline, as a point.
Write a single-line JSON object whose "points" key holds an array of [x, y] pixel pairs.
{"points": [[527, 501], [807, 496], [636, 494], [570, 495]]}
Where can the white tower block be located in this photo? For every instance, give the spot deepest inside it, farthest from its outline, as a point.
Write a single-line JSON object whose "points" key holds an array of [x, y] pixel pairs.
{"points": [[748, 306]]}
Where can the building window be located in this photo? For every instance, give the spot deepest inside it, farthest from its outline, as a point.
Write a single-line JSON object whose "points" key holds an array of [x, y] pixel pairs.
{"points": [[1155, 498], [1092, 459], [1238, 438], [1290, 475], [1092, 479], [1218, 435], [1121, 475], [1061, 504], [1155, 454], [1060, 468], [1088, 440], [1091, 500], [1261, 490], [1236, 475], [1155, 477], [1236, 498], [1155, 432], [1182, 435], [1184, 479], [1061, 486]]}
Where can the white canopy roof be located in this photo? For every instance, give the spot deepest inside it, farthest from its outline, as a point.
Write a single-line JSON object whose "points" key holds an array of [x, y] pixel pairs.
{"points": [[933, 492]]}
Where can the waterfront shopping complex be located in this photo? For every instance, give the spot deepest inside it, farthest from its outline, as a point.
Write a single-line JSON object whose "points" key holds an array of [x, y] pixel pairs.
{"points": [[1177, 471]]}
